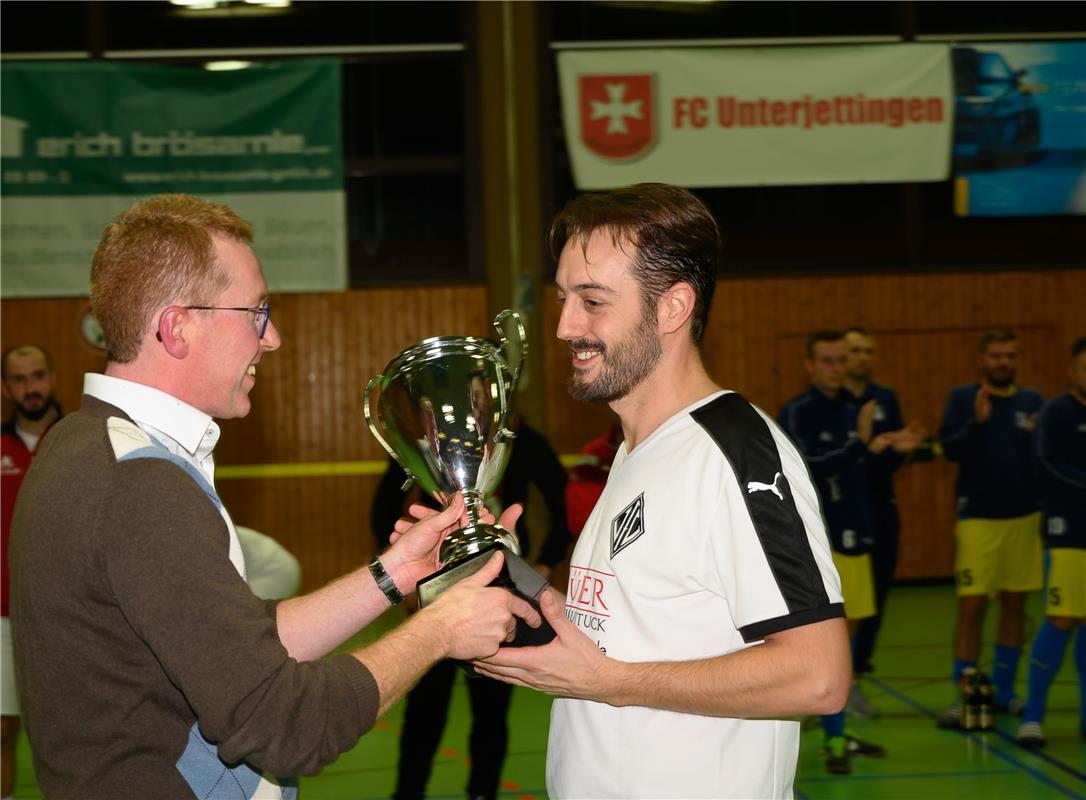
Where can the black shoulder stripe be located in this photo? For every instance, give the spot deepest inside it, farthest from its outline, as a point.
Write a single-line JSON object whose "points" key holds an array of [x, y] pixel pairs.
{"points": [[760, 630], [744, 438]]}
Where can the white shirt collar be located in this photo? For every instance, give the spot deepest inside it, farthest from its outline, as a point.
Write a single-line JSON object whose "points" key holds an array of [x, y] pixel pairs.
{"points": [[29, 439], [191, 428]]}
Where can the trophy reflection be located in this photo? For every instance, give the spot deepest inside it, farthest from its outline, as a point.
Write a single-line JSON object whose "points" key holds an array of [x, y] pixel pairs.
{"points": [[440, 410]]}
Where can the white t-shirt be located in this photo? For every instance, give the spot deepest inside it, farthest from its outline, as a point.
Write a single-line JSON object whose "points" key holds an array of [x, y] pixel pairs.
{"points": [[708, 537]]}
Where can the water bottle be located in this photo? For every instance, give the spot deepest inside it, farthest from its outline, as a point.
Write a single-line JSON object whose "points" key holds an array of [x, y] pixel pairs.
{"points": [[970, 709], [983, 699]]}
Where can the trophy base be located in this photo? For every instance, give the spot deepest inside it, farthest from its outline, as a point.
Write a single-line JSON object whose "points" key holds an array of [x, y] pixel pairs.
{"points": [[517, 576]]}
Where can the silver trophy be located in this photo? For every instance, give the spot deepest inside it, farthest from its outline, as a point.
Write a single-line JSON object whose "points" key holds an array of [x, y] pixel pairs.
{"points": [[441, 409]]}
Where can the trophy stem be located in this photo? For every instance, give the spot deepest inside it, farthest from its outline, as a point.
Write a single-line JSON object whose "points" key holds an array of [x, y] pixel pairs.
{"points": [[474, 502]]}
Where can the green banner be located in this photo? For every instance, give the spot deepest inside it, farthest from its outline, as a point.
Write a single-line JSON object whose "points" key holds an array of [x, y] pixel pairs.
{"points": [[81, 140]]}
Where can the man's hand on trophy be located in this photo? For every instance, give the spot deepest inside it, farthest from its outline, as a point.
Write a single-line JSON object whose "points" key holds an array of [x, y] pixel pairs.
{"points": [[509, 517], [420, 512], [477, 619], [571, 665], [412, 554], [416, 512]]}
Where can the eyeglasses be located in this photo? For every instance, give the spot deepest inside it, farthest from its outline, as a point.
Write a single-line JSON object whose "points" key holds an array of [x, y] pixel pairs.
{"points": [[260, 314]]}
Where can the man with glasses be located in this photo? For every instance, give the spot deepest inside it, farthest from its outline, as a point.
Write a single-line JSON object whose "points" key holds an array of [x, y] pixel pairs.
{"points": [[146, 667], [261, 314]]}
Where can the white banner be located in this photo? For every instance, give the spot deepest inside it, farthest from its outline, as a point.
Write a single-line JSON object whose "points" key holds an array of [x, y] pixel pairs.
{"points": [[759, 116], [299, 238]]}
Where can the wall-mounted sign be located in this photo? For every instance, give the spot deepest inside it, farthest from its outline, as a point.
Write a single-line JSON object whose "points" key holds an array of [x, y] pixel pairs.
{"points": [[742, 117], [80, 141]]}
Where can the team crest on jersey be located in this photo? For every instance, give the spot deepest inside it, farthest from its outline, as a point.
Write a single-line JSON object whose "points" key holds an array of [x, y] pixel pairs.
{"points": [[628, 525]]}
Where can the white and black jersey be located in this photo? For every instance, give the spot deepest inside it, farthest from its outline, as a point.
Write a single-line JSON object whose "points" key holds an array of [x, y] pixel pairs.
{"points": [[707, 538]]}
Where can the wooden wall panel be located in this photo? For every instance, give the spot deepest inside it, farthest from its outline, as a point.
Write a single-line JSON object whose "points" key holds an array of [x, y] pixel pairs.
{"points": [[307, 401], [307, 404], [927, 327]]}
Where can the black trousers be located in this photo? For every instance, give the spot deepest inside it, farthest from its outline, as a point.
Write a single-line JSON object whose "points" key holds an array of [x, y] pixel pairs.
{"points": [[424, 721]]}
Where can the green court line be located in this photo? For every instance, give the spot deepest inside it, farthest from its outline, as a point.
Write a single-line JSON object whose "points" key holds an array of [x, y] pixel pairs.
{"points": [[324, 469]]}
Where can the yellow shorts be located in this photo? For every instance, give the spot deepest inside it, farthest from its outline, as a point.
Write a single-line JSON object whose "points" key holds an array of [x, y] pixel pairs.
{"points": [[857, 585], [995, 555], [1065, 583]]}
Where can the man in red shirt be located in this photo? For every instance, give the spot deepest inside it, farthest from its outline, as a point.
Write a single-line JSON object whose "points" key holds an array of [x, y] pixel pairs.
{"points": [[28, 381], [587, 478]]}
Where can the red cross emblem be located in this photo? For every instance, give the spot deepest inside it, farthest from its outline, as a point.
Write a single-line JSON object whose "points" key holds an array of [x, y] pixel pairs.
{"points": [[617, 114]]}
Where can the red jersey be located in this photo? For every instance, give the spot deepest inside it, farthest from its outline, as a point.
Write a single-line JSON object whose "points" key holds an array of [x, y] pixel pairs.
{"points": [[15, 458], [587, 479]]}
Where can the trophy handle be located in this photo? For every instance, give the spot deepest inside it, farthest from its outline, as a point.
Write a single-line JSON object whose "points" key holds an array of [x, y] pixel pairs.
{"points": [[375, 384], [522, 335]]}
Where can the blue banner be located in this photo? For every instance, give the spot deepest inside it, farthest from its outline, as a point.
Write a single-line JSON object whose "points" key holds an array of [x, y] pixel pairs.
{"points": [[1020, 129]]}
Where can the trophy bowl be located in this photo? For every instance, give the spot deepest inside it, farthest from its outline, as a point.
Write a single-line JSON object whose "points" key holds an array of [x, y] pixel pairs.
{"points": [[440, 410]]}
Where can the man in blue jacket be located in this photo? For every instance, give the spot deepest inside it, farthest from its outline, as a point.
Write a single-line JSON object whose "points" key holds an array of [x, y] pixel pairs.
{"points": [[1061, 456], [987, 430], [836, 439], [909, 444]]}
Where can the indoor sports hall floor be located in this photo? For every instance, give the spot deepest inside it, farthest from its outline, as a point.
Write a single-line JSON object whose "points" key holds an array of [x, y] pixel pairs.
{"points": [[911, 686]]}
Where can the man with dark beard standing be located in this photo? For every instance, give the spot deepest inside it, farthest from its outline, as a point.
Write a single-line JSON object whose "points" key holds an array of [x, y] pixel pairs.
{"points": [[703, 609], [28, 382], [987, 430]]}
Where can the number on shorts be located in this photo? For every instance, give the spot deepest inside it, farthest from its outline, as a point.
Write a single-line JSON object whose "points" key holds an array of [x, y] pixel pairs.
{"points": [[965, 577]]}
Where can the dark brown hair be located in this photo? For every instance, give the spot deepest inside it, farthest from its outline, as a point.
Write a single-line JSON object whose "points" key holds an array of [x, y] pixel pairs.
{"points": [[675, 237], [995, 335], [1078, 347], [822, 336]]}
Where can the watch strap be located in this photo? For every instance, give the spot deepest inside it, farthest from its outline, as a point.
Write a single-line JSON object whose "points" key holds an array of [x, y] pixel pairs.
{"points": [[385, 582]]}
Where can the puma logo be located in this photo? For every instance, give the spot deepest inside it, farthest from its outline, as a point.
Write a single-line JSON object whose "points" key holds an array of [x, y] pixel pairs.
{"points": [[755, 486]]}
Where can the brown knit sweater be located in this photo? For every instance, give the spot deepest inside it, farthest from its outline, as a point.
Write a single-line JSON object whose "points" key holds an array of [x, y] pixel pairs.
{"points": [[131, 625]]}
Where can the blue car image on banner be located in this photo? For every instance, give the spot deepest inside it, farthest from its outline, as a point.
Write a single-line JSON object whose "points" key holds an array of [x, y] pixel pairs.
{"points": [[1020, 129], [996, 112]]}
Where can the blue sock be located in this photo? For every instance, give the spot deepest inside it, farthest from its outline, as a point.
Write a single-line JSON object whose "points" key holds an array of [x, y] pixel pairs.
{"points": [[1045, 656], [960, 666], [833, 725], [1004, 671], [1080, 664]]}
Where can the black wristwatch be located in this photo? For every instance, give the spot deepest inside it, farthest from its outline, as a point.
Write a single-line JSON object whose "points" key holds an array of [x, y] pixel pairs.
{"points": [[385, 582]]}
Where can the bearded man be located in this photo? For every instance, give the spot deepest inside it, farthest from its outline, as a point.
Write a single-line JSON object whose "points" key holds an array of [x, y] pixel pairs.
{"points": [[987, 430], [28, 382], [704, 611]]}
